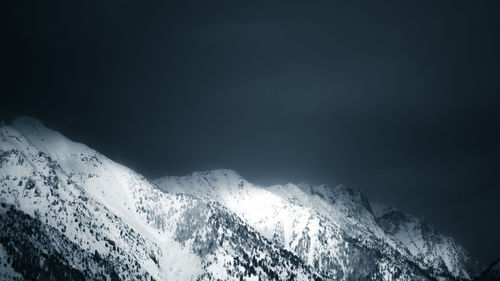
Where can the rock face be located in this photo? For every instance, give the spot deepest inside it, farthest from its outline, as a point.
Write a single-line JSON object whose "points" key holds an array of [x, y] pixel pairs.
{"points": [[441, 254], [69, 213], [326, 227]]}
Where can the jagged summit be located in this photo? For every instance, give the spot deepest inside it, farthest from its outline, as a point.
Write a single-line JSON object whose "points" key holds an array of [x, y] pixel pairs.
{"points": [[210, 177], [290, 213], [202, 182], [228, 178], [423, 241], [34, 130], [67, 212], [380, 210], [100, 220], [26, 121]]}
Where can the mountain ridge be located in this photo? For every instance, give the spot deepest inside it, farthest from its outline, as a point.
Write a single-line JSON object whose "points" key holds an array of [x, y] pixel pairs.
{"points": [[353, 205], [91, 218]]}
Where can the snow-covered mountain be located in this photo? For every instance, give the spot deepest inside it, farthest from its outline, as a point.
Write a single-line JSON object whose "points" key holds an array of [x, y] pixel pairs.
{"points": [[323, 225], [438, 252], [69, 213]]}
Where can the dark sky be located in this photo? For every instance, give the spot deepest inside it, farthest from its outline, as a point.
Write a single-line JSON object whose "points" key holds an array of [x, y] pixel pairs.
{"points": [[398, 100]]}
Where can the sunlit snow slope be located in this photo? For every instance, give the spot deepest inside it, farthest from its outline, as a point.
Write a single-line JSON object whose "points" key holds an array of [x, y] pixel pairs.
{"points": [[326, 227], [69, 213]]}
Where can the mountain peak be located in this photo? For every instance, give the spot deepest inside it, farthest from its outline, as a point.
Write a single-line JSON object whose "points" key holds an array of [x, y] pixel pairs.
{"points": [[218, 173], [379, 210], [210, 175], [31, 127], [202, 181], [26, 121], [213, 220]]}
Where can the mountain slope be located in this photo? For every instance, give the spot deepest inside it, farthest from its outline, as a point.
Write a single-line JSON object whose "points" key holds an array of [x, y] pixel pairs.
{"points": [[83, 217], [441, 252], [315, 222], [68, 212]]}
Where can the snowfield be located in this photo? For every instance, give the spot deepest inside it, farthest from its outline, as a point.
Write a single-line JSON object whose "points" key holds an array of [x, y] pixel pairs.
{"points": [[69, 213]]}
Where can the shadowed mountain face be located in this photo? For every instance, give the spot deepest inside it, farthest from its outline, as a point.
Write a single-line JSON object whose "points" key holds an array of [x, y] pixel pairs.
{"points": [[68, 212]]}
